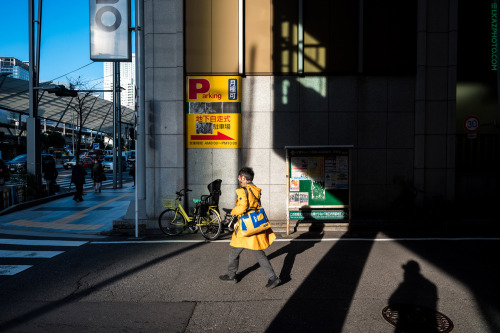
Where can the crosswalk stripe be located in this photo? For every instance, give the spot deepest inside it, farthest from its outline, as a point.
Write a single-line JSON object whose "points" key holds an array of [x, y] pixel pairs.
{"points": [[41, 242], [28, 254], [66, 184], [12, 269]]}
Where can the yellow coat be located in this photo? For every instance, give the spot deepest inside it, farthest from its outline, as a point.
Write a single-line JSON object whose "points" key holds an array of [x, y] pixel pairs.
{"points": [[258, 241]]}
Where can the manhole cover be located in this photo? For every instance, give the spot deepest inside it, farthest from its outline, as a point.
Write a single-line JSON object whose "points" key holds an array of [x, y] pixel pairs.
{"points": [[416, 318]]}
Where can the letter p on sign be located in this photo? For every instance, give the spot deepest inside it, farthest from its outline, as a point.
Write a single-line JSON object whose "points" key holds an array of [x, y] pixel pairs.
{"points": [[198, 86]]}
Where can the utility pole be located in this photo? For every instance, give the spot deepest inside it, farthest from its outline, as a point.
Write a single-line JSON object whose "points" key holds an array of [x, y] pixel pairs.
{"points": [[117, 147], [33, 122]]}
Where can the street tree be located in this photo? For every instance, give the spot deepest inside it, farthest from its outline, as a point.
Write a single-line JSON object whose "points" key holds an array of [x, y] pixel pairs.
{"points": [[81, 104]]}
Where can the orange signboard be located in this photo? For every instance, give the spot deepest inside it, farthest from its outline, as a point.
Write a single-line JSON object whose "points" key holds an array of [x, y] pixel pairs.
{"points": [[213, 112]]}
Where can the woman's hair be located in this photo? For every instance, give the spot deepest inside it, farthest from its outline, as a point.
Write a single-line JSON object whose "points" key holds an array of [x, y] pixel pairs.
{"points": [[247, 173]]}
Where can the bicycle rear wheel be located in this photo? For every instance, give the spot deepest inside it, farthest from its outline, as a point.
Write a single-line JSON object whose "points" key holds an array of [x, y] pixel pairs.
{"points": [[210, 225], [171, 222]]}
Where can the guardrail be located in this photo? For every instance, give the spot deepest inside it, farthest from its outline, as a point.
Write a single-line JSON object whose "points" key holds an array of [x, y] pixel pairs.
{"points": [[11, 195]]}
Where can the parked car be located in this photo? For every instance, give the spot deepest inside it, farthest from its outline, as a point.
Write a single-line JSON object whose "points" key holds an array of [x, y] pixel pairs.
{"points": [[107, 163], [85, 161], [4, 172], [18, 163]]}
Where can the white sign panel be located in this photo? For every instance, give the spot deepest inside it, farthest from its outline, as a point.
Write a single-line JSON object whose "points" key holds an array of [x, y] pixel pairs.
{"points": [[109, 30]]}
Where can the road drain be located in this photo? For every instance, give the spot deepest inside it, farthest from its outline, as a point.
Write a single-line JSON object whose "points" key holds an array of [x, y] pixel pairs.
{"points": [[416, 318]]}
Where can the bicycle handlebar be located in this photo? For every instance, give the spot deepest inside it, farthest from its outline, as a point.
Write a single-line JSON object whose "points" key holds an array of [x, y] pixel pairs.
{"points": [[180, 194]]}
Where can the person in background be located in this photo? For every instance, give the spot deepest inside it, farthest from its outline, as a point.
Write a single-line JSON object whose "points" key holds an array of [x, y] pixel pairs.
{"points": [[258, 242], [78, 178], [98, 175], [131, 172], [50, 175]]}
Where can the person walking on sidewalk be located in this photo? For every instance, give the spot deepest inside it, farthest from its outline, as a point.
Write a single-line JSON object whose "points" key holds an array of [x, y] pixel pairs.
{"points": [[78, 178], [98, 175], [256, 243], [131, 172], [50, 175]]}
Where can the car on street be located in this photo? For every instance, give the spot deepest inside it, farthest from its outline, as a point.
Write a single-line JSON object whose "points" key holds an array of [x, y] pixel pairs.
{"points": [[85, 161], [20, 162], [107, 163], [4, 172], [67, 158]]}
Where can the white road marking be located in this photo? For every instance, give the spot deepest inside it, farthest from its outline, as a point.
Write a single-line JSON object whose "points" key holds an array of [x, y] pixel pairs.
{"points": [[28, 254], [316, 240], [40, 242], [12, 269]]}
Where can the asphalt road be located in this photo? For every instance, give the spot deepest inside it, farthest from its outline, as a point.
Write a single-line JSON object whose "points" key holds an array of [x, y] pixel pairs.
{"points": [[331, 283]]}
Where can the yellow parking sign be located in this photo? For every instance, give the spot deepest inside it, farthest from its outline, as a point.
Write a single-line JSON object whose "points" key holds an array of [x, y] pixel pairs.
{"points": [[213, 89], [213, 112]]}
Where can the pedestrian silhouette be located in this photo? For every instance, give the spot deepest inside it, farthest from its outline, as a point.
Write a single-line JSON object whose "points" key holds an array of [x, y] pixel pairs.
{"points": [[50, 175], [78, 178], [415, 301]]}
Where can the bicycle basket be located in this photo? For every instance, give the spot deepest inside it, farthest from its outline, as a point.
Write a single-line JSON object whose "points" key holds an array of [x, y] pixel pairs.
{"points": [[169, 200]]}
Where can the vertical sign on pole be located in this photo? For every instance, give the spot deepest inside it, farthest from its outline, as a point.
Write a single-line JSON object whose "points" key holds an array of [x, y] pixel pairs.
{"points": [[110, 38]]}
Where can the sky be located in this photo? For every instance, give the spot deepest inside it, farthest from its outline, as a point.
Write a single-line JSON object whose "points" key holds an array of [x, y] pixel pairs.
{"points": [[65, 51]]}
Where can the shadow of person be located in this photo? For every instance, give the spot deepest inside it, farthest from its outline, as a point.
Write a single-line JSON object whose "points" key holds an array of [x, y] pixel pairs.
{"points": [[296, 246], [414, 302]]}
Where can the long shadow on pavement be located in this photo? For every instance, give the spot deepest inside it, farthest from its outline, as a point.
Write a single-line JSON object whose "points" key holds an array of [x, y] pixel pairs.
{"points": [[323, 300]]}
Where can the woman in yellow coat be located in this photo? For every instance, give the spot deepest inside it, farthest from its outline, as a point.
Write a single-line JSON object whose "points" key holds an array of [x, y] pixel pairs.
{"points": [[258, 242]]}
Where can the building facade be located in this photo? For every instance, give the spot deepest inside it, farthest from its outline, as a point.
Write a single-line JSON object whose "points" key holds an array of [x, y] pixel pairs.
{"points": [[380, 77], [127, 81], [15, 67]]}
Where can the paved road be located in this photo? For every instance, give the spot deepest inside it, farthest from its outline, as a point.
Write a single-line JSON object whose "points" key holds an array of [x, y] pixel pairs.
{"points": [[332, 282]]}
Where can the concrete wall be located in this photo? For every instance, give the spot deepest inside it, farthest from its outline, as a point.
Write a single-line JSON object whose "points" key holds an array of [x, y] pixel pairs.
{"points": [[164, 101], [374, 114], [402, 127]]}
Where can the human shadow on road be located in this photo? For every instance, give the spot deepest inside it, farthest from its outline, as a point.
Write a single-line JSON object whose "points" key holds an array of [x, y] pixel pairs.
{"points": [[296, 246], [415, 301]]}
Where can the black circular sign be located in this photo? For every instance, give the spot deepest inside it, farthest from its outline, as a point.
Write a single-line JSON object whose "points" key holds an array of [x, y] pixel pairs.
{"points": [[115, 12]]}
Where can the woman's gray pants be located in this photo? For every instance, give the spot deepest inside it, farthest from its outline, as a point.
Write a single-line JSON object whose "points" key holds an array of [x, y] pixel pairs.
{"points": [[234, 261]]}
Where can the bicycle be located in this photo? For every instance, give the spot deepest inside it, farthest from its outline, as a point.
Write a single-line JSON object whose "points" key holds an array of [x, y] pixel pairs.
{"points": [[174, 220]]}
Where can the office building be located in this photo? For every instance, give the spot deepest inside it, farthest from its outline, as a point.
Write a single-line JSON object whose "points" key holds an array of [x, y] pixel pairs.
{"points": [[379, 79], [15, 67], [127, 81]]}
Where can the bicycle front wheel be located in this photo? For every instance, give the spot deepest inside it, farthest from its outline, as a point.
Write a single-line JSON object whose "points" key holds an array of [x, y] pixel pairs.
{"points": [[210, 225], [171, 222]]}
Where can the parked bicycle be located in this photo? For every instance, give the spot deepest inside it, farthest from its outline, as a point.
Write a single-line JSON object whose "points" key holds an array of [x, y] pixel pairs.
{"points": [[174, 219]]}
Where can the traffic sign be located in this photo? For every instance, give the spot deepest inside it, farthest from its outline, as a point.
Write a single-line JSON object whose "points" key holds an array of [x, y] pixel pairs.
{"points": [[471, 124], [95, 145]]}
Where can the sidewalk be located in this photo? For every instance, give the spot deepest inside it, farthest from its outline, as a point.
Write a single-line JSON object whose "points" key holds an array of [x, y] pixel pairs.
{"points": [[94, 215]]}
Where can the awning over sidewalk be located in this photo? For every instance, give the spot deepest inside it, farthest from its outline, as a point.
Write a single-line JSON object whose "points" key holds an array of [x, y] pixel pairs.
{"points": [[14, 97]]}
